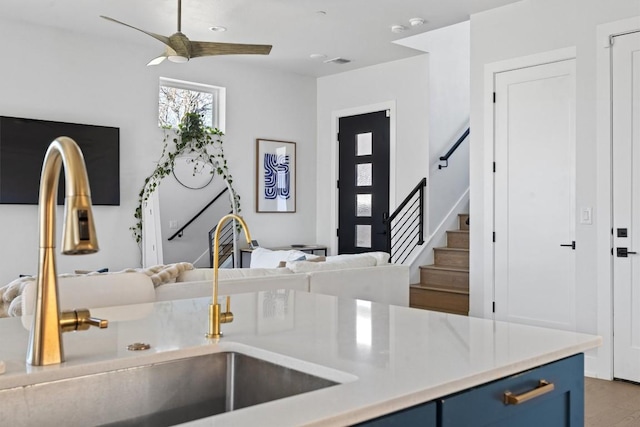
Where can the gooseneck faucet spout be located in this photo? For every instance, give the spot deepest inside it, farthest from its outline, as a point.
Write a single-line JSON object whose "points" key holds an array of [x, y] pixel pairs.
{"points": [[79, 237], [215, 316]]}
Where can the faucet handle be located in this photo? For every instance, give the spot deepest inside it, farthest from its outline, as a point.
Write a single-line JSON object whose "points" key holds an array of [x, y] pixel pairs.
{"points": [[94, 321], [80, 320], [227, 315], [85, 321]]}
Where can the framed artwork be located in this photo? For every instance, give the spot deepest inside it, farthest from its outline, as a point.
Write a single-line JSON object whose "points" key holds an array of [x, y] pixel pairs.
{"points": [[275, 176]]}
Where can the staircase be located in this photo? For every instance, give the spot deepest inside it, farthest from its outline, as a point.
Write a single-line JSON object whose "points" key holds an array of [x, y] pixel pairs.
{"points": [[225, 243], [444, 285]]}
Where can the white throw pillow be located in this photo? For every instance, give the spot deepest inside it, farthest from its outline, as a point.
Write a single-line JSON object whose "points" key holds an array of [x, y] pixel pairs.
{"points": [[352, 262], [380, 257], [265, 258]]}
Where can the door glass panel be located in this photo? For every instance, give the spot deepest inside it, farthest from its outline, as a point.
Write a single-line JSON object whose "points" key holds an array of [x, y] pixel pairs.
{"points": [[363, 206], [363, 144], [364, 174], [363, 236]]}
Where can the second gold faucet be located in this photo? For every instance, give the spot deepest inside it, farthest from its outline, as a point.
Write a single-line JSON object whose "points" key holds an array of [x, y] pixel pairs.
{"points": [[216, 317]]}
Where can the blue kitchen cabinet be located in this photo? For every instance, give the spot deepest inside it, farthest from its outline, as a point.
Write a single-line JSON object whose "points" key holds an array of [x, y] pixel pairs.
{"points": [[424, 415], [551, 395], [559, 403]]}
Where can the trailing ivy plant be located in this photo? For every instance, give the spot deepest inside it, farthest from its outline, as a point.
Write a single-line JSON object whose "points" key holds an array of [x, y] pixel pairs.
{"points": [[194, 138]]}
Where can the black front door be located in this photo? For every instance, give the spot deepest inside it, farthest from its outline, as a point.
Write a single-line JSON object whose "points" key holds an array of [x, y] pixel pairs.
{"points": [[363, 182]]}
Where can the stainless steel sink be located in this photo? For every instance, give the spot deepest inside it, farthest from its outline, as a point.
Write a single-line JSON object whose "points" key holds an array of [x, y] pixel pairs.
{"points": [[161, 394]]}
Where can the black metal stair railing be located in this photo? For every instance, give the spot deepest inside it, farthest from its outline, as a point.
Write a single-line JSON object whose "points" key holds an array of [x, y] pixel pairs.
{"points": [[455, 146], [179, 232], [225, 243], [405, 226]]}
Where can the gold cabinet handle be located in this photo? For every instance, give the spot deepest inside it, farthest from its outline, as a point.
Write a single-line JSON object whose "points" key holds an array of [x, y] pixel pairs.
{"points": [[544, 387]]}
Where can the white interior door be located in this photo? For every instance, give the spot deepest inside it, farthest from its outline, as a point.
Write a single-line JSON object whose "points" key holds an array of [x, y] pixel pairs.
{"points": [[626, 206], [534, 184]]}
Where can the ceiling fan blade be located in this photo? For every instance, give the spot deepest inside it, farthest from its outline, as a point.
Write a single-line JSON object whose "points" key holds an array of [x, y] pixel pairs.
{"points": [[157, 60], [158, 37], [179, 48], [213, 48]]}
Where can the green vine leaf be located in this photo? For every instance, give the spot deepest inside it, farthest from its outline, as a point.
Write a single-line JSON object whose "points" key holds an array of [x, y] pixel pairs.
{"points": [[192, 136]]}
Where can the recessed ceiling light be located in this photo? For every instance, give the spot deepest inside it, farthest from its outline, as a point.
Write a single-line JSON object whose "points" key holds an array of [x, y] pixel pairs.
{"points": [[416, 21], [218, 29], [317, 56], [398, 28]]}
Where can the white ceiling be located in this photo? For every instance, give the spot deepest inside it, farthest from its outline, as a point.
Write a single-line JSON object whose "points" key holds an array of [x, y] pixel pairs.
{"points": [[359, 30]]}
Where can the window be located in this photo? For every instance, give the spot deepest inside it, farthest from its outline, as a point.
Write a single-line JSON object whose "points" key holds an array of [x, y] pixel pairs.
{"points": [[363, 236], [177, 97], [364, 174], [363, 205], [364, 144]]}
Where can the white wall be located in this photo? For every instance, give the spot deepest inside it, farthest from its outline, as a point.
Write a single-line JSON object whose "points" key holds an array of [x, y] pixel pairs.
{"points": [[63, 76], [404, 82], [526, 28], [449, 89]]}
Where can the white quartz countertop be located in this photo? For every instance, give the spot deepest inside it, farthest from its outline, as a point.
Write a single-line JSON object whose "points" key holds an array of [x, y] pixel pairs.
{"points": [[386, 358]]}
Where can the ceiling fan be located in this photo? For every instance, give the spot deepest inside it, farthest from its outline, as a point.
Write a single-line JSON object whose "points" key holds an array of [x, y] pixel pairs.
{"points": [[180, 49]]}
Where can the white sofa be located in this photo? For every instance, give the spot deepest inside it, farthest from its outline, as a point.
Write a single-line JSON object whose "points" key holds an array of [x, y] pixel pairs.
{"points": [[383, 283], [388, 284]]}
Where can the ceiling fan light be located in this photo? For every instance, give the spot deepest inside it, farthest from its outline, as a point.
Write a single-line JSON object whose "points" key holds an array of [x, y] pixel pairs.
{"points": [[178, 59]]}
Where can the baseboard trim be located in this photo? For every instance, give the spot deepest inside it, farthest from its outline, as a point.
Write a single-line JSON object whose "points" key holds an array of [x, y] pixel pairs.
{"points": [[590, 366]]}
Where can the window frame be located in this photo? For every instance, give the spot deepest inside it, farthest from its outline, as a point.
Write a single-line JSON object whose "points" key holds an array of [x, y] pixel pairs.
{"points": [[218, 109]]}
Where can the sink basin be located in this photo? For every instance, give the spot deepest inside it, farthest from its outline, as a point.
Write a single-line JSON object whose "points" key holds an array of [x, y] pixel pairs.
{"points": [[160, 394]]}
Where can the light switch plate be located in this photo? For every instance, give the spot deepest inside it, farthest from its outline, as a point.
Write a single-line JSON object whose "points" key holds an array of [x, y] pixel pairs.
{"points": [[586, 216], [173, 224]]}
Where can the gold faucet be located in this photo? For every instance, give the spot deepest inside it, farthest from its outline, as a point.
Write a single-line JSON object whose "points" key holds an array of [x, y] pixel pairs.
{"points": [[215, 316], [79, 237]]}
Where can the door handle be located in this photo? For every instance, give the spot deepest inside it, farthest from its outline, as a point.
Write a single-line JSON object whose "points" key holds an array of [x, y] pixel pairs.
{"points": [[544, 387], [572, 245], [623, 252]]}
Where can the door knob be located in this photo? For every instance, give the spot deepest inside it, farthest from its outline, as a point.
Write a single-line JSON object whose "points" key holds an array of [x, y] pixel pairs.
{"points": [[571, 245], [623, 252]]}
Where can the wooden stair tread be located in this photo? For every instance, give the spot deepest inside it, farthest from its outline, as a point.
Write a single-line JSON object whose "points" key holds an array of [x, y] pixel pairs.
{"points": [[444, 268], [462, 221], [445, 248], [452, 257], [444, 285], [437, 288]]}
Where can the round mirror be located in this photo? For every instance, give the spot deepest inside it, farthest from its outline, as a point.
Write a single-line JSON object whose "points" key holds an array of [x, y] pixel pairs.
{"points": [[192, 172]]}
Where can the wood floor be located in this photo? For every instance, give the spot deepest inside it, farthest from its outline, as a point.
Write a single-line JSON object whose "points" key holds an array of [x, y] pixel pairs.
{"points": [[611, 403]]}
